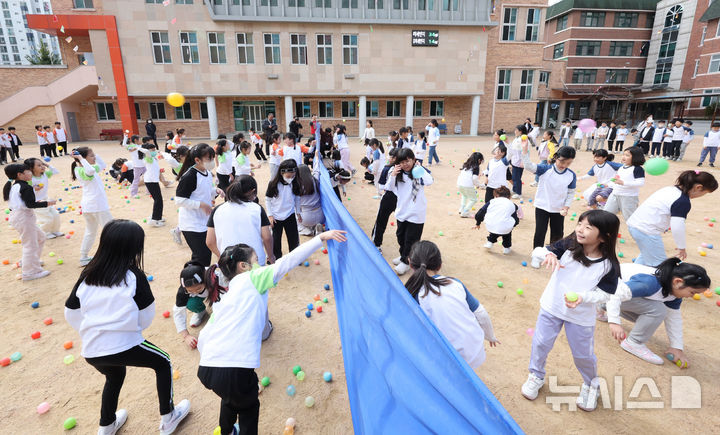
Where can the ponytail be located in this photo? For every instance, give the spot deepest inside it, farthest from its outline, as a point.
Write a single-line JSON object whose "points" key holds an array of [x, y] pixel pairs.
{"points": [[6, 190], [424, 256], [688, 179], [212, 284], [231, 256], [196, 152], [693, 276]]}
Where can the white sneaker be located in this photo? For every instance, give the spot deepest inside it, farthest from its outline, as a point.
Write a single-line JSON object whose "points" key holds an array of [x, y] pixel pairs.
{"points": [[396, 260], [319, 228], [197, 318], [515, 196], [535, 263], [641, 351], [488, 245], [176, 235], [154, 223], [533, 184], [582, 398], [402, 268], [467, 214], [178, 414], [50, 236], [587, 401], [305, 231], [85, 260], [531, 387], [120, 418], [506, 251], [58, 234], [41, 274]]}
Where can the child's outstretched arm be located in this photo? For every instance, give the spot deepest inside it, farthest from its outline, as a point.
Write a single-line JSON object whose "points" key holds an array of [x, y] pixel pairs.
{"points": [[483, 319]]}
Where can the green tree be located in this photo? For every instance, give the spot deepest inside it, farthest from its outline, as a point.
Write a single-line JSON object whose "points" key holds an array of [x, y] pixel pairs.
{"points": [[43, 56]]}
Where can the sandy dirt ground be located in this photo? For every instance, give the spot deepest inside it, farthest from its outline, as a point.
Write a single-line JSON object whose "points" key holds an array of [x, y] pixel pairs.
{"points": [[74, 390]]}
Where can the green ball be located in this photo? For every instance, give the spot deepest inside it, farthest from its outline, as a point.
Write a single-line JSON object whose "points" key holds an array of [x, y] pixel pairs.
{"points": [[325, 300], [621, 255], [296, 369], [503, 137], [60, 261], [144, 220], [712, 219], [128, 201], [300, 375], [447, 194], [572, 218], [69, 423], [717, 290], [500, 284], [265, 381], [520, 291], [622, 240], [574, 214], [571, 296], [441, 233], [656, 166]]}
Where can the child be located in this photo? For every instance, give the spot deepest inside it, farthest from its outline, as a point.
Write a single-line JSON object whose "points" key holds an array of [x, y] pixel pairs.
{"points": [[612, 135], [678, 134], [276, 156], [404, 140], [5, 147], [152, 181], [369, 132], [577, 138], [711, 141], [687, 138], [448, 304], [194, 196], [590, 135], [61, 138], [654, 296], [110, 305], [604, 169], [645, 135], [502, 217], [377, 161], [243, 165], [88, 168], [179, 134], [169, 146], [628, 181], [667, 208], [310, 207], [256, 140], [408, 180], [21, 200], [467, 182], [555, 192], [546, 151], [495, 173], [533, 134], [293, 151], [190, 297], [622, 133], [393, 138], [420, 147], [369, 176], [176, 158], [48, 218], [138, 163], [237, 323], [15, 141], [282, 199], [667, 142], [42, 141], [585, 264], [224, 162], [121, 170], [388, 202], [433, 138], [344, 148], [51, 142], [600, 136]]}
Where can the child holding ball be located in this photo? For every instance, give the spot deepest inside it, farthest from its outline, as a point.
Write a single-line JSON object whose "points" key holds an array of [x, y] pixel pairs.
{"points": [[191, 297], [48, 217]]}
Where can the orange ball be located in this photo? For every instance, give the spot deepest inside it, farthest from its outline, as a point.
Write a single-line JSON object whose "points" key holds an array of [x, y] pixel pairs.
{"points": [[68, 345], [6, 262]]}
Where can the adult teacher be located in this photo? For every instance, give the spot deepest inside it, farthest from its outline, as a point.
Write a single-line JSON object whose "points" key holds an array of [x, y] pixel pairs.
{"points": [[151, 130], [269, 127]]}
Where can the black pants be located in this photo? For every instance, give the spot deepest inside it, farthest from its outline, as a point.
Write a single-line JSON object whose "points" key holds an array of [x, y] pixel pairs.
{"points": [[223, 181], [387, 206], [154, 139], [114, 366], [336, 189], [3, 154], [238, 389], [676, 146], [369, 176], [610, 144], [645, 147], [655, 148], [63, 145], [128, 175], [268, 141], [506, 239], [156, 193], [557, 222], [50, 149], [619, 145], [291, 231], [200, 252], [407, 234], [489, 194], [259, 152]]}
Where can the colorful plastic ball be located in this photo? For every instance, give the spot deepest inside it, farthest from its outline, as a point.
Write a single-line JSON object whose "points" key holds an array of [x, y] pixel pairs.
{"points": [[325, 300], [317, 262], [327, 377], [51, 254], [622, 240], [712, 219], [571, 296], [717, 290], [150, 278], [175, 99], [524, 263], [5, 362], [68, 359], [696, 297], [296, 370], [60, 261], [35, 304], [708, 293], [309, 306], [503, 137], [265, 381], [290, 422], [319, 309], [326, 286], [717, 303], [621, 255], [290, 390], [43, 408], [300, 375], [6, 262], [16, 356], [47, 159], [35, 335], [308, 313], [520, 291], [703, 253], [309, 401], [530, 331], [166, 314], [306, 264], [441, 233], [48, 321], [69, 423], [68, 345], [500, 284]]}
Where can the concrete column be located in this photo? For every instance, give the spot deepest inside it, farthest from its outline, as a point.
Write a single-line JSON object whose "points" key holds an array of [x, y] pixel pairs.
{"points": [[409, 110], [546, 107], [288, 112], [561, 113], [212, 117], [362, 114], [474, 115]]}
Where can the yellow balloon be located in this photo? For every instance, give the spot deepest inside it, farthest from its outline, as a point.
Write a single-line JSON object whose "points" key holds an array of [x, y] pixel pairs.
{"points": [[175, 99]]}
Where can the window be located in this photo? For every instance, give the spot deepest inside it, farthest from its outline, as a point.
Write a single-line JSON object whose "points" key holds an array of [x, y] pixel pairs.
{"points": [[584, 75], [350, 49], [323, 3], [137, 111], [349, 109], [345, 4], [447, 4], [616, 75], [526, 84], [437, 108], [667, 44], [709, 100], [650, 21], [271, 2], [371, 109], [626, 19], [302, 109], [375, 4], [544, 77], [246, 54], [216, 42], [587, 48], [324, 49], [272, 48], [393, 108], [562, 23], [426, 5], [183, 2], [621, 48], [82, 4], [533, 24], [404, 4], [592, 19], [559, 50], [155, 1], [326, 109], [298, 3], [161, 47], [662, 73], [189, 47], [157, 110], [105, 111], [702, 38], [183, 112], [298, 49], [714, 64], [697, 67], [645, 48], [418, 108], [717, 31], [640, 76], [509, 21], [673, 16], [503, 88], [203, 110]]}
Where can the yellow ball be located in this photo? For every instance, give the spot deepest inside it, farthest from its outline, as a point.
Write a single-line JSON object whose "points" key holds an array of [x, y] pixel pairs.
{"points": [[523, 137], [696, 297], [703, 253], [175, 99], [60, 148]]}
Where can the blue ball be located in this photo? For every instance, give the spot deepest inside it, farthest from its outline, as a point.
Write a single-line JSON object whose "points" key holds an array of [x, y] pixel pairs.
{"points": [[524, 263], [290, 390], [327, 376], [306, 264], [150, 278], [327, 287], [529, 200], [308, 313], [66, 189], [310, 306], [710, 246], [72, 221], [59, 199], [47, 159], [35, 304]]}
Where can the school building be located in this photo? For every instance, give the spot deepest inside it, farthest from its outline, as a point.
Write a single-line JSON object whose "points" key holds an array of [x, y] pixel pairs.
{"points": [[475, 66]]}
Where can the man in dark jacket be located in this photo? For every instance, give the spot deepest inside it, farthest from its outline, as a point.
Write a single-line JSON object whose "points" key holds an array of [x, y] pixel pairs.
{"points": [[269, 127], [151, 130], [15, 142], [295, 128]]}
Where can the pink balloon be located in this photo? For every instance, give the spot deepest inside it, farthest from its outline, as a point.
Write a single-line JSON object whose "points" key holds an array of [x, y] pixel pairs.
{"points": [[586, 125]]}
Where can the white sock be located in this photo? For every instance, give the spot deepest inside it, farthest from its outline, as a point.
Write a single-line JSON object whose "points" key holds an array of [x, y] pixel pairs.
{"points": [[167, 417]]}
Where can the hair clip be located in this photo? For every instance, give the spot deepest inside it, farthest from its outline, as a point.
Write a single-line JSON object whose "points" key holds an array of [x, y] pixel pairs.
{"points": [[697, 171], [197, 277]]}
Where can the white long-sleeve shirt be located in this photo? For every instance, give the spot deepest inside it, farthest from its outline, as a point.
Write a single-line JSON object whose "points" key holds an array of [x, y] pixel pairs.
{"points": [[283, 205], [94, 198], [409, 209], [633, 178], [195, 187], [369, 133], [666, 208], [711, 139]]}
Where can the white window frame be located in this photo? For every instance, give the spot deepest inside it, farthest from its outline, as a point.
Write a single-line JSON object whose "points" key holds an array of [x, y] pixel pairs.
{"points": [[526, 84], [697, 67], [324, 48], [395, 105], [218, 47], [323, 109], [350, 50], [192, 48], [555, 47], [348, 109], [509, 23], [714, 59], [305, 109], [274, 48], [154, 106], [717, 31], [104, 106], [181, 109], [245, 46], [534, 26], [712, 99], [702, 38], [298, 49], [504, 85], [546, 80], [372, 108], [162, 45], [439, 108], [86, 4]]}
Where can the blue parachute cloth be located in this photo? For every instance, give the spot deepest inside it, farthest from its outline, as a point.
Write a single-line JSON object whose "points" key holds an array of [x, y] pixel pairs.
{"points": [[403, 376]]}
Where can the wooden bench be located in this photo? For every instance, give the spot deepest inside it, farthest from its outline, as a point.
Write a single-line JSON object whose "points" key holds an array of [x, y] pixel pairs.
{"points": [[442, 128], [109, 133]]}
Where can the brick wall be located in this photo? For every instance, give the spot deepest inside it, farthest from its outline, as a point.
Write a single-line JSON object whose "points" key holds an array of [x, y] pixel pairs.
{"points": [[25, 124]]}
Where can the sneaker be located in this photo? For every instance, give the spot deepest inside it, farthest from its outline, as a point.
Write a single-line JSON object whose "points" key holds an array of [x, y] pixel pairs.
{"points": [[699, 164], [535, 263], [533, 184], [353, 172], [712, 165], [531, 387], [506, 251], [402, 268], [85, 260], [396, 260], [305, 231], [582, 398], [50, 236], [197, 318], [111, 429], [467, 214], [176, 235], [169, 183], [58, 234], [590, 399], [175, 417], [515, 196], [641, 351], [488, 245], [41, 274], [154, 223], [319, 228]]}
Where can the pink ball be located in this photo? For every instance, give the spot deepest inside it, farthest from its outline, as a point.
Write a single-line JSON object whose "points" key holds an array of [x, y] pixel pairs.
{"points": [[586, 125], [317, 261], [43, 408], [530, 332], [704, 245]]}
